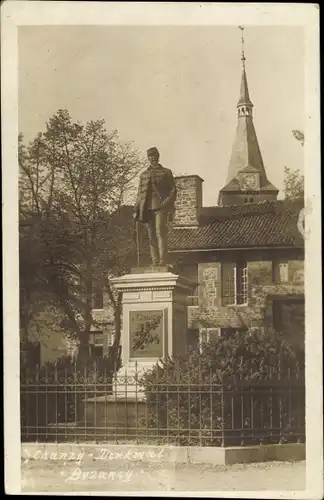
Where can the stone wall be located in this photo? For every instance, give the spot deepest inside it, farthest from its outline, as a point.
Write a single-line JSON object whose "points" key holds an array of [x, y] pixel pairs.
{"points": [[262, 291], [189, 200]]}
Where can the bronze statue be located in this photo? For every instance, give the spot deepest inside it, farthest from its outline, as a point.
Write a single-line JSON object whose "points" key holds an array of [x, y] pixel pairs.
{"points": [[155, 205]]}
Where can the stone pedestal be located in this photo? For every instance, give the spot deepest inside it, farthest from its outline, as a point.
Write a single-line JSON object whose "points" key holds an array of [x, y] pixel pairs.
{"points": [[154, 321], [154, 326]]}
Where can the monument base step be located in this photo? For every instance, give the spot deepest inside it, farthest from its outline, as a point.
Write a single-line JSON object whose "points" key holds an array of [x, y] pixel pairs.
{"points": [[167, 268], [114, 412]]}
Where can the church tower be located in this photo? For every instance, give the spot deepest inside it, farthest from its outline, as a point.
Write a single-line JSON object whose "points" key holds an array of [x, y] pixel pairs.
{"points": [[247, 180]]}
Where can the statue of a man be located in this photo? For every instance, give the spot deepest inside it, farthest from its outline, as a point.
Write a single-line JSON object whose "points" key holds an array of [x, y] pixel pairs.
{"points": [[155, 205]]}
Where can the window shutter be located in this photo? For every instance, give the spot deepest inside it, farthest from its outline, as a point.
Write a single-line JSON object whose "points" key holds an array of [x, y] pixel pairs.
{"points": [[228, 283], [280, 273], [209, 285], [283, 272]]}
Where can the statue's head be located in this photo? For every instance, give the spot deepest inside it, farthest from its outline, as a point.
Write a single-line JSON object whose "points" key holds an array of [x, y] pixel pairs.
{"points": [[153, 155]]}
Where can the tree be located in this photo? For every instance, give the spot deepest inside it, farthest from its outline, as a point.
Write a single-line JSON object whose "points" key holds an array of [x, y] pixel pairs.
{"points": [[293, 184], [35, 295], [294, 181], [74, 178]]}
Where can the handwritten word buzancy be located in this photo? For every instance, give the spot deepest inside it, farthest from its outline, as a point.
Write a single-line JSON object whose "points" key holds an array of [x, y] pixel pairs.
{"points": [[78, 474]]}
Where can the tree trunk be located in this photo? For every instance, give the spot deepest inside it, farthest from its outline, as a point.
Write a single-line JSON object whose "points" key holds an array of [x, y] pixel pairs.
{"points": [[84, 349]]}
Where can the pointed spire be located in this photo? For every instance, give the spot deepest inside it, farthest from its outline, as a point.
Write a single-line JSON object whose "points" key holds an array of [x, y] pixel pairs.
{"points": [[246, 158], [244, 91]]}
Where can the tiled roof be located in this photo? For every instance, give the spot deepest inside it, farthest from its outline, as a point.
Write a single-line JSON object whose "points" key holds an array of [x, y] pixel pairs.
{"points": [[261, 224]]}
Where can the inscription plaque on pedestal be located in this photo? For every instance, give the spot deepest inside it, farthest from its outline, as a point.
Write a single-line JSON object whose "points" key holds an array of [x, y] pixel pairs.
{"points": [[146, 334]]}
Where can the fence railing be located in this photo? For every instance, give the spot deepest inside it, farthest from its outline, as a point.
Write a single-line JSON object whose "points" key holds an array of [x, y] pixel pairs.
{"points": [[69, 405]]}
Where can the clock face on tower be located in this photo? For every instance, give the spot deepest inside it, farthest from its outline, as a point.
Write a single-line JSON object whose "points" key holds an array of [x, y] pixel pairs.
{"points": [[249, 181]]}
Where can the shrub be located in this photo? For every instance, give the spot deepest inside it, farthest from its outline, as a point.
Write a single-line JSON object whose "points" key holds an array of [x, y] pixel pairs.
{"points": [[233, 387]]}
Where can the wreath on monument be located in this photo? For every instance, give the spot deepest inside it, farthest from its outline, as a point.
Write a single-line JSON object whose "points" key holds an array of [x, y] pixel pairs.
{"points": [[145, 336]]}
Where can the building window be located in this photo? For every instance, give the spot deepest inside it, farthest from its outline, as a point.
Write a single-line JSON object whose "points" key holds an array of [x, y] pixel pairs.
{"points": [[193, 337], [234, 283], [230, 332], [207, 335], [280, 272], [110, 338], [99, 342], [193, 299], [97, 351], [190, 271], [241, 283], [96, 344], [97, 302]]}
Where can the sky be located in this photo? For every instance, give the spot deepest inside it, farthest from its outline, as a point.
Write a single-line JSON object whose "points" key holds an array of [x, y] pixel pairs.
{"points": [[173, 87]]}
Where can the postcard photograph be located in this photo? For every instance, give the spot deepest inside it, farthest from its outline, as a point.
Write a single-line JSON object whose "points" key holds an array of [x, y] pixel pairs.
{"points": [[161, 187]]}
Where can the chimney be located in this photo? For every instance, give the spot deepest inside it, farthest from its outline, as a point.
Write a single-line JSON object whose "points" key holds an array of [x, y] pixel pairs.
{"points": [[189, 200]]}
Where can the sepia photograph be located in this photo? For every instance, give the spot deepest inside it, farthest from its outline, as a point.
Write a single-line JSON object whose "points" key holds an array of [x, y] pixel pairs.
{"points": [[162, 189]]}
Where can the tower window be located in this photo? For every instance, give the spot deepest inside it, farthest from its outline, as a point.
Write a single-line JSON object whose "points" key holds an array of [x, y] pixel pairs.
{"points": [[251, 200]]}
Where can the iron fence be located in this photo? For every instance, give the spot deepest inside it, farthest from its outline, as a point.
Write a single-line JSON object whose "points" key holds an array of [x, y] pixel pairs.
{"points": [[73, 406]]}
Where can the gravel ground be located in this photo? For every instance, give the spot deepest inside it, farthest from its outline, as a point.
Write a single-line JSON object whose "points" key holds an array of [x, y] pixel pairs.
{"points": [[50, 476]]}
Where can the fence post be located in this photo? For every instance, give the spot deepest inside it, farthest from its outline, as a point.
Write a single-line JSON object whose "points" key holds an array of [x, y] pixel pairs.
{"points": [[280, 404], [200, 412], [211, 400], [223, 412]]}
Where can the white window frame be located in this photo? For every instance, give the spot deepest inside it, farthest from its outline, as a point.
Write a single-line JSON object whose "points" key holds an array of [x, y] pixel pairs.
{"points": [[245, 285], [110, 339], [209, 333], [277, 266], [283, 266], [235, 284]]}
